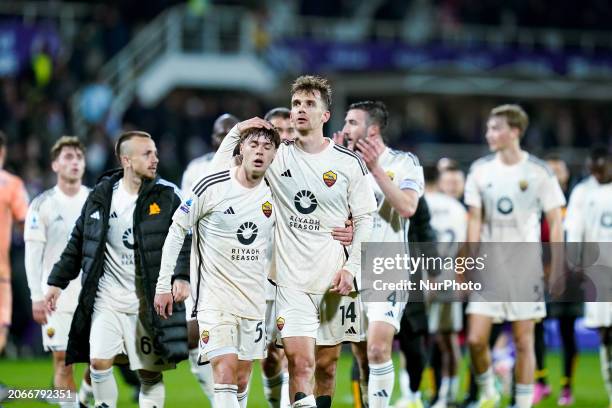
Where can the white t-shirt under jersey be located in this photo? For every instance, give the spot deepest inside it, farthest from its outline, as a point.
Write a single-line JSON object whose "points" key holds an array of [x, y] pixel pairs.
{"points": [[117, 286], [196, 169], [405, 171], [314, 194], [50, 220], [512, 197], [233, 226]]}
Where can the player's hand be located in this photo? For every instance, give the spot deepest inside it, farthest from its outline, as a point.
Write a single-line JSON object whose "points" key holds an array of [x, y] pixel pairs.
{"points": [[338, 138], [370, 150], [180, 290], [342, 283], [39, 312], [163, 305], [255, 122], [53, 293], [344, 234]]}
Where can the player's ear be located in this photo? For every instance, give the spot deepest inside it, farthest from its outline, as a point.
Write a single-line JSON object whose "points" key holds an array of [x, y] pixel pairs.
{"points": [[326, 116], [54, 166], [373, 130]]}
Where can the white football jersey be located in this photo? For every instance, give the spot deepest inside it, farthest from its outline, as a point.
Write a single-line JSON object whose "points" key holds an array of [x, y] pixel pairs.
{"points": [[575, 205], [117, 286], [405, 171], [594, 222], [196, 169], [314, 193], [232, 229], [448, 217], [50, 220], [512, 197]]}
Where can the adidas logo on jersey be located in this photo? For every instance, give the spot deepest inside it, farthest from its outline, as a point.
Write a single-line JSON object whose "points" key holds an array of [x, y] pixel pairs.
{"points": [[286, 173], [351, 330], [59, 218], [381, 393], [229, 211], [389, 313], [95, 216], [113, 215]]}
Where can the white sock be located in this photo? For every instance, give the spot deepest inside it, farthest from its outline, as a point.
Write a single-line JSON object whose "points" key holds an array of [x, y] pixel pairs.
{"points": [[444, 389], [85, 392], [226, 396], [104, 387], [523, 395], [404, 382], [413, 396], [243, 398], [152, 392], [486, 384], [202, 373], [453, 389], [605, 361], [306, 402], [69, 404], [275, 389], [380, 384]]}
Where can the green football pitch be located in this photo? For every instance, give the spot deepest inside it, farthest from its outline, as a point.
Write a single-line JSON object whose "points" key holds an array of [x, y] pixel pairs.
{"points": [[182, 389]]}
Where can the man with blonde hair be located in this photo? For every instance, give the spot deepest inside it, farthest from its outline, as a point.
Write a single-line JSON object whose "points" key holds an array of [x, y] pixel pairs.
{"points": [[506, 193]]}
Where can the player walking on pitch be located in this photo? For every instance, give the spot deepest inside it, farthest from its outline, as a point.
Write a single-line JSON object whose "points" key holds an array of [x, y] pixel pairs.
{"points": [[51, 217], [117, 242], [506, 192], [398, 183], [317, 184], [232, 216]]}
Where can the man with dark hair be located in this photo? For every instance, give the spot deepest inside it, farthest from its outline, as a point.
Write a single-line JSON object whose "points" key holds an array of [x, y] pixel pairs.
{"points": [[280, 118], [317, 185], [397, 178], [196, 169], [51, 217], [117, 242], [232, 215]]}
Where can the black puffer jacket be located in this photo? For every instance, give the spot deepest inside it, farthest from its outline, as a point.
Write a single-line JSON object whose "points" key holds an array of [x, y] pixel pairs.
{"points": [[155, 206]]}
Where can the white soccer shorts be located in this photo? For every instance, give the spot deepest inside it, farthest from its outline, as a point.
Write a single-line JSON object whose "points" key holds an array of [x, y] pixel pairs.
{"points": [[445, 317], [115, 333], [55, 332], [225, 333], [598, 314], [508, 311], [331, 319]]}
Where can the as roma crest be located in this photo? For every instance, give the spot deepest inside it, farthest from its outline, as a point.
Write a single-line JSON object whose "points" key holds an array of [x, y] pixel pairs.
{"points": [[280, 323], [523, 184], [267, 209], [50, 332], [329, 178], [205, 336]]}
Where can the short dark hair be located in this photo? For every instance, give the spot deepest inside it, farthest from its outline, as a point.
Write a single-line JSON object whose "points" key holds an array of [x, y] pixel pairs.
{"points": [[376, 110], [2, 139], [430, 174], [280, 112], [125, 136], [270, 134], [66, 141], [312, 83], [599, 152]]}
